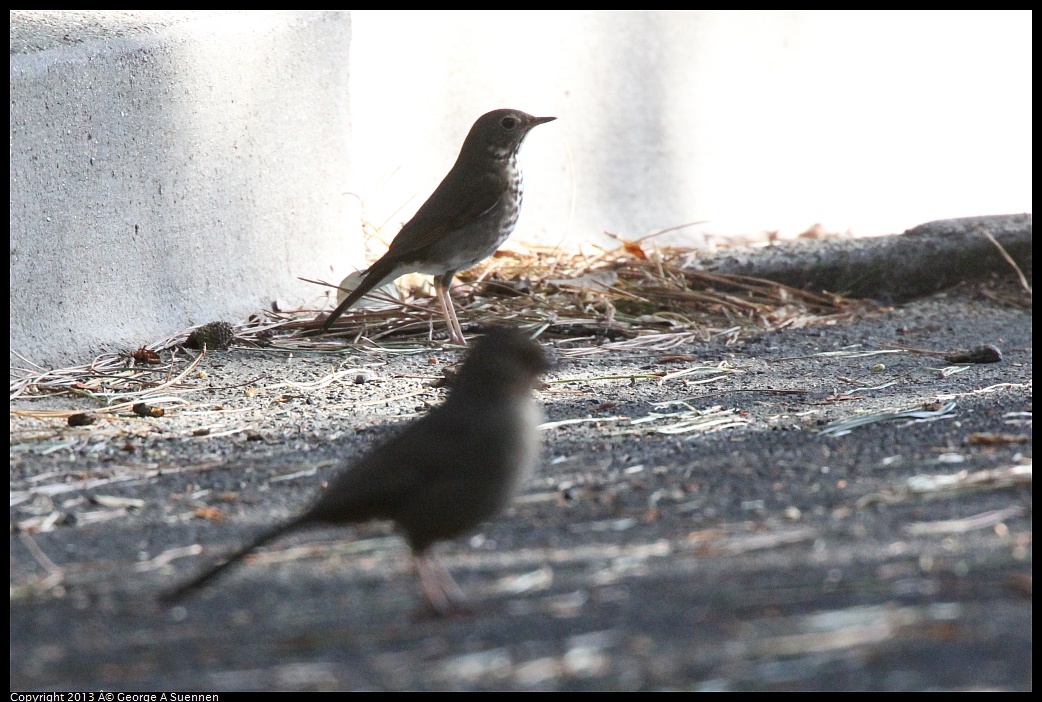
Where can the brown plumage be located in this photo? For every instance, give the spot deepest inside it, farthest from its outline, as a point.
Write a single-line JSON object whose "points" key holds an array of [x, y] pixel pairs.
{"points": [[445, 473], [470, 214]]}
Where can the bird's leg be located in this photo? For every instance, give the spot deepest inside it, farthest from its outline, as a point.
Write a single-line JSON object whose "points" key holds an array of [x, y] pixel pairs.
{"points": [[441, 287], [438, 586]]}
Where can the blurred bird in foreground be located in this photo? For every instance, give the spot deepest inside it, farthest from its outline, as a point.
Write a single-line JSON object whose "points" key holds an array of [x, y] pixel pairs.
{"points": [[446, 472]]}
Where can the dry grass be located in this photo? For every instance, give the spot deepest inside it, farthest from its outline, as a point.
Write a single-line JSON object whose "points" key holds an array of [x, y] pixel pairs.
{"points": [[625, 299], [622, 299]]}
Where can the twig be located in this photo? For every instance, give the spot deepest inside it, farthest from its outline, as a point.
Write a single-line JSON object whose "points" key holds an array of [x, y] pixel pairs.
{"points": [[1005, 255]]}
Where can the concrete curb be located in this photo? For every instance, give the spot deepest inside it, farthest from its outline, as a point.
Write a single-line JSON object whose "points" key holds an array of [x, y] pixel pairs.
{"points": [[923, 260]]}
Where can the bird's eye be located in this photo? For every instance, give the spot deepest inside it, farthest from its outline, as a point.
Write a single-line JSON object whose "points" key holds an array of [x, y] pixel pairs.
{"points": [[509, 122]]}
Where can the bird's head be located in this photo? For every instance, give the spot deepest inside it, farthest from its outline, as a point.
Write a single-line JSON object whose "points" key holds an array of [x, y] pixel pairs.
{"points": [[501, 132]]}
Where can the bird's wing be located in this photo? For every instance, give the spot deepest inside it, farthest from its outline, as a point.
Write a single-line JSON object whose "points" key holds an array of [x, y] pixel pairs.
{"points": [[404, 465], [445, 211]]}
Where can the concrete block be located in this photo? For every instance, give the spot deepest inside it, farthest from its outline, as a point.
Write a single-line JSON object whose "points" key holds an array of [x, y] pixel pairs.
{"points": [[172, 168]]}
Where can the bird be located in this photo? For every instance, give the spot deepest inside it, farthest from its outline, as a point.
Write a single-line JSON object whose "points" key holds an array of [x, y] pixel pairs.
{"points": [[467, 217], [445, 473]]}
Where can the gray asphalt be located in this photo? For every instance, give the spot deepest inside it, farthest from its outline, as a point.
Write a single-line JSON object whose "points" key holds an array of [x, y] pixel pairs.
{"points": [[760, 555]]}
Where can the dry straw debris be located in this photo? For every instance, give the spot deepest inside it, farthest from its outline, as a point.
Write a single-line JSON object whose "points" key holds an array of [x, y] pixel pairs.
{"points": [[589, 303]]}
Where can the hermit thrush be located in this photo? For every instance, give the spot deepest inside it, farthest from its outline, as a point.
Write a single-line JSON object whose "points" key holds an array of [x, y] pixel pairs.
{"points": [[443, 474], [469, 215]]}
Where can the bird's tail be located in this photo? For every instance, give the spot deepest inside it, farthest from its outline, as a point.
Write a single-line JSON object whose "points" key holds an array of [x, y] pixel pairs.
{"points": [[373, 277], [206, 576]]}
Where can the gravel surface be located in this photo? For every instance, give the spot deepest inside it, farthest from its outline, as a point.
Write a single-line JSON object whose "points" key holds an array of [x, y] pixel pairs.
{"points": [[752, 551]]}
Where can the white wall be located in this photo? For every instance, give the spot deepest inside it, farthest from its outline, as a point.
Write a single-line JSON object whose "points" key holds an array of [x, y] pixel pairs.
{"points": [[756, 121]]}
